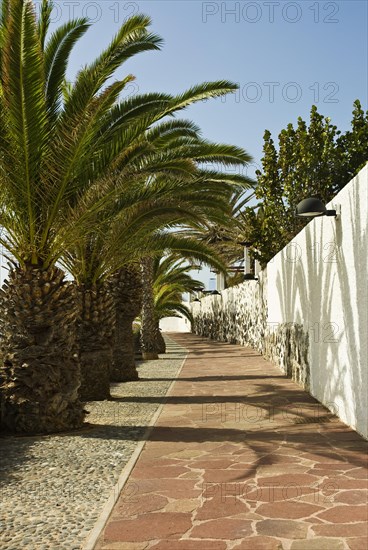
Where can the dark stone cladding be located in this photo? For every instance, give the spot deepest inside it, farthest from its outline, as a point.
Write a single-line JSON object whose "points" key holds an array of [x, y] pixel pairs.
{"points": [[239, 315]]}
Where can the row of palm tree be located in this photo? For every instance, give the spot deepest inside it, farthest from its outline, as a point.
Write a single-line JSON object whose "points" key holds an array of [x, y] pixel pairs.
{"points": [[97, 187]]}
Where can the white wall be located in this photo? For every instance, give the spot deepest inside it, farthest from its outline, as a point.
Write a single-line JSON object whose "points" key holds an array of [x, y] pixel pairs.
{"points": [[308, 312], [320, 280], [175, 324]]}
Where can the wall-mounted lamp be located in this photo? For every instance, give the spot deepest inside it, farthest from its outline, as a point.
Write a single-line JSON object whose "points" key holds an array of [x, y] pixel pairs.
{"points": [[199, 291], [312, 208], [249, 277], [248, 262]]}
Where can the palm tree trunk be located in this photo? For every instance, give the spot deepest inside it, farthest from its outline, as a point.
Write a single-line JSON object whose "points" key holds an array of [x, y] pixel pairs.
{"points": [[160, 342], [123, 369], [39, 372], [149, 331], [137, 343], [128, 304], [95, 333]]}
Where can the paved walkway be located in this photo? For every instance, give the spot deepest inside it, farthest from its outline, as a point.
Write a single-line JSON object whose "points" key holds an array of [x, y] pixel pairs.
{"points": [[242, 458]]}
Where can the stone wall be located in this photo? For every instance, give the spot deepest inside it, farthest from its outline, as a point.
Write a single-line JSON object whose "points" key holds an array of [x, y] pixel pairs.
{"points": [[308, 313], [287, 346], [239, 315]]}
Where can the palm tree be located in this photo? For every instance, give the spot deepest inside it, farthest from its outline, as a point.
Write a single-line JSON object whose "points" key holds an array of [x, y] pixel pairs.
{"points": [[154, 298], [128, 292], [209, 206], [171, 279], [219, 234], [50, 152], [227, 239]]}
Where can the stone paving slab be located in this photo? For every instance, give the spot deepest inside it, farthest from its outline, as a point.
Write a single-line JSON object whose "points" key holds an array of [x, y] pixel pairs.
{"points": [[242, 458]]}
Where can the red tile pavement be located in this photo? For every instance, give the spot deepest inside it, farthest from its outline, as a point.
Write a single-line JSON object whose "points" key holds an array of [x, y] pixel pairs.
{"points": [[242, 458]]}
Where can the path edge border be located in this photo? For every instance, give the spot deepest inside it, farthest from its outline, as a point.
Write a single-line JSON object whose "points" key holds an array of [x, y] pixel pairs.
{"points": [[94, 535]]}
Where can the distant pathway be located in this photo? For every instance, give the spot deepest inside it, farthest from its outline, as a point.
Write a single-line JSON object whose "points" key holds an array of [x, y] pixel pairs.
{"points": [[242, 458]]}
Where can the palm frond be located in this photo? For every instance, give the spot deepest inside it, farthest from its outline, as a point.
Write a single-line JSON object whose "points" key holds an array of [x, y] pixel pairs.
{"points": [[44, 20], [188, 248], [57, 54], [131, 39], [174, 309], [163, 133], [201, 92], [4, 14], [23, 97]]}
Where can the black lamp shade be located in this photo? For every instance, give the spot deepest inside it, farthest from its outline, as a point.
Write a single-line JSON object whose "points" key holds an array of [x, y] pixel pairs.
{"points": [[310, 208]]}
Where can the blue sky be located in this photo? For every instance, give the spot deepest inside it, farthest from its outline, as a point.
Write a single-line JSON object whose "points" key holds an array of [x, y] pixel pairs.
{"points": [[284, 55]]}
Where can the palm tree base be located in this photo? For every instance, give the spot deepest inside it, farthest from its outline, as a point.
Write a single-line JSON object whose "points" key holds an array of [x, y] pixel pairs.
{"points": [[128, 301], [149, 355], [160, 343], [125, 374], [39, 371], [124, 368], [95, 384], [95, 331]]}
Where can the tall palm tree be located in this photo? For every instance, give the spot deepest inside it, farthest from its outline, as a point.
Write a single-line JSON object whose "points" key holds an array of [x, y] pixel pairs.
{"points": [[219, 234], [50, 151], [128, 291], [209, 207]]}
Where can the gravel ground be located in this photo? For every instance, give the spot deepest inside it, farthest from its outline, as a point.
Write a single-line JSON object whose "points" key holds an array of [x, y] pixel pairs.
{"points": [[53, 488]]}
